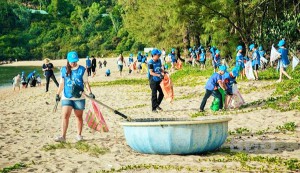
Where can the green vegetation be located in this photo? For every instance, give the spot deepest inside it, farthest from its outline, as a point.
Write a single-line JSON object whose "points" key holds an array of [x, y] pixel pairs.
{"points": [[191, 76], [239, 130], [151, 166], [113, 26], [268, 164], [143, 81], [290, 126], [13, 168], [93, 150]]}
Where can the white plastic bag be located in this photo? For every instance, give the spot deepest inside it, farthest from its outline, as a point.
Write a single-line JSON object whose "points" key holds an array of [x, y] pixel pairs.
{"points": [[249, 70], [237, 99], [274, 54]]}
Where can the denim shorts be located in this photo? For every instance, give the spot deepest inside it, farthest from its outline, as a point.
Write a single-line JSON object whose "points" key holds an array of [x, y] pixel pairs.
{"points": [[75, 104]]}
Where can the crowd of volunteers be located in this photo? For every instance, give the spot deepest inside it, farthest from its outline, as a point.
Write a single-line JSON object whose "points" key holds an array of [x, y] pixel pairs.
{"points": [[74, 87]]}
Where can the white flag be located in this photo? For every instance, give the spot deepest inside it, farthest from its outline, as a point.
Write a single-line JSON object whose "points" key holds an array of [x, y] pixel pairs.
{"points": [[295, 62], [274, 54]]}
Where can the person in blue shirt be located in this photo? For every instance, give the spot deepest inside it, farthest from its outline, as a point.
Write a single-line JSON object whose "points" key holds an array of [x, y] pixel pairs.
{"points": [[173, 59], [107, 72], [211, 87], [212, 52], [139, 60], [72, 76], [229, 78], [88, 64], [262, 54], [202, 58], [283, 61], [23, 79], [130, 61], [239, 61], [30, 77], [156, 72], [255, 60], [216, 60]]}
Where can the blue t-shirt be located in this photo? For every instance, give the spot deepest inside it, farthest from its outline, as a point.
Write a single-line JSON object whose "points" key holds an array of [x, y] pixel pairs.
{"points": [[255, 58], [217, 59], [30, 75], [284, 57], [144, 59], [239, 59], [88, 63], [202, 56], [156, 67], [76, 77], [228, 80], [212, 82], [130, 60], [107, 71], [139, 58], [173, 58], [262, 53]]}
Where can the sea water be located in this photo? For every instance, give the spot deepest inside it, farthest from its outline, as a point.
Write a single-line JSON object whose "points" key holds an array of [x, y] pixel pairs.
{"points": [[7, 73]]}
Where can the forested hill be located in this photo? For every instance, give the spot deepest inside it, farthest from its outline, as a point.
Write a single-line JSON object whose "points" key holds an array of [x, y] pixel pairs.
{"points": [[87, 26], [35, 29]]}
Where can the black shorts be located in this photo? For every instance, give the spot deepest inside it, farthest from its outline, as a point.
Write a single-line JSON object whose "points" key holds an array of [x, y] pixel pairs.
{"points": [[255, 67], [93, 69], [202, 62]]}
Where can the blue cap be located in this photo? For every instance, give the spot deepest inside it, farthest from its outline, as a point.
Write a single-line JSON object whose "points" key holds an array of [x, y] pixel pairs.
{"points": [[217, 51], [131, 55], [260, 48], [155, 52], [239, 48], [212, 49], [173, 50], [251, 46], [235, 72], [222, 68], [72, 57], [34, 71], [281, 43], [23, 72], [190, 49], [87, 57]]}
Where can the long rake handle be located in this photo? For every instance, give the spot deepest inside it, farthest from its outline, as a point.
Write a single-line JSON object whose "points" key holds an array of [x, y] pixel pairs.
{"points": [[115, 111]]}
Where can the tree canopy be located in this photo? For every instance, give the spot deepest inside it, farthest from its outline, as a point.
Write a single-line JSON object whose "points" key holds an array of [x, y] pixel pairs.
{"points": [[101, 27]]}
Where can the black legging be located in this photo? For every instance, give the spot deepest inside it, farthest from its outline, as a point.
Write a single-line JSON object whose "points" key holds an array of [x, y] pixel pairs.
{"points": [[89, 69], [154, 88], [208, 93], [48, 80]]}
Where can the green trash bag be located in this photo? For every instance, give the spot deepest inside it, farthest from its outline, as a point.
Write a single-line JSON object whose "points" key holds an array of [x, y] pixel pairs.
{"points": [[215, 104], [223, 95]]}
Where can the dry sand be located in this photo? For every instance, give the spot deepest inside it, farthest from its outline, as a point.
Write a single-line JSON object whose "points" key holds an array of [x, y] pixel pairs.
{"points": [[27, 124]]}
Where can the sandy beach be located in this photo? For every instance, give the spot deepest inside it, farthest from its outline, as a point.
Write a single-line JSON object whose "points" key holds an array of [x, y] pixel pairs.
{"points": [[27, 125]]}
